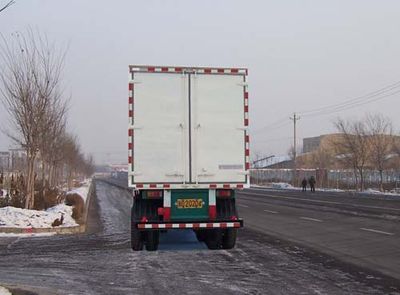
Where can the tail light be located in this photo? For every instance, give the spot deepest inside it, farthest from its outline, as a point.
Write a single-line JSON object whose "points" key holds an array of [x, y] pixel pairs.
{"points": [[224, 193], [212, 212], [154, 194]]}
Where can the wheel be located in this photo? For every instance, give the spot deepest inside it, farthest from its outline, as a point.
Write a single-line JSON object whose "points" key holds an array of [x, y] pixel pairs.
{"points": [[201, 235], [213, 239], [229, 238], [136, 238], [152, 240]]}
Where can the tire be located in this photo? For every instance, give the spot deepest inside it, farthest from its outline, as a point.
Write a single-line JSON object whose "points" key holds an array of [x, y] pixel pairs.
{"points": [[201, 235], [152, 240], [229, 238], [213, 239], [136, 238]]}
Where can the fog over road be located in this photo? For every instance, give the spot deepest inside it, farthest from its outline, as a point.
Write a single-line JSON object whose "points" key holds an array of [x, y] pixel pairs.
{"points": [[101, 261]]}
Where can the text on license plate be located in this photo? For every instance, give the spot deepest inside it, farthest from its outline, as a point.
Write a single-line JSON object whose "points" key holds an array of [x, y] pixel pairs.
{"points": [[189, 203]]}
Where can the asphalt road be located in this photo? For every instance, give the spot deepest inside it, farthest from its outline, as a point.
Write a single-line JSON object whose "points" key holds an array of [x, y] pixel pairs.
{"points": [[360, 229], [101, 261]]}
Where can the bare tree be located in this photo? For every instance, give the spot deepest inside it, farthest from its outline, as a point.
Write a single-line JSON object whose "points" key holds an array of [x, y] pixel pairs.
{"points": [[380, 138], [52, 137], [72, 157], [353, 147], [30, 86], [7, 5]]}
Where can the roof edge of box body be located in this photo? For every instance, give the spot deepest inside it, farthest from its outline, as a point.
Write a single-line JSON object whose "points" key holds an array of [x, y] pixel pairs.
{"points": [[185, 69]]}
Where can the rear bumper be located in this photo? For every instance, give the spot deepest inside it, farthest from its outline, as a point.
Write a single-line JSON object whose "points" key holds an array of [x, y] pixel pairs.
{"points": [[190, 225]]}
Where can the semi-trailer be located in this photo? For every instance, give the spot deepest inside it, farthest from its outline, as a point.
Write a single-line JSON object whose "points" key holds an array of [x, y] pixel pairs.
{"points": [[188, 152]]}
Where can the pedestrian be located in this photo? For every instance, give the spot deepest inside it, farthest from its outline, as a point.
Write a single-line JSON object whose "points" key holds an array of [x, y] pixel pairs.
{"points": [[312, 181], [304, 185]]}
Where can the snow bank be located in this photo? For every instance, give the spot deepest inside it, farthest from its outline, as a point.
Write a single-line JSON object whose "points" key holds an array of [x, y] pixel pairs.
{"points": [[282, 185], [333, 190], [4, 291], [26, 235], [82, 191], [23, 218], [372, 191]]}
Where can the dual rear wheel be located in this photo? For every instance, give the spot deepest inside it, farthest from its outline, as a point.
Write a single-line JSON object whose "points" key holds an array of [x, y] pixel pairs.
{"points": [[150, 239], [218, 238]]}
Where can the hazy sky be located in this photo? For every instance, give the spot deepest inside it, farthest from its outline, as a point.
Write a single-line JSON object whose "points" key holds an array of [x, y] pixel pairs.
{"points": [[301, 55]]}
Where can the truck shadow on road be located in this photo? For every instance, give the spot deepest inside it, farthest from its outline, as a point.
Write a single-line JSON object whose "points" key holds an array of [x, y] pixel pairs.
{"points": [[180, 240]]}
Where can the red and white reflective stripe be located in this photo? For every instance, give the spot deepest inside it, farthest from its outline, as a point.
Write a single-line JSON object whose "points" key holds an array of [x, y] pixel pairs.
{"points": [[130, 130], [199, 70], [246, 123], [226, 185], [188, 225], [247, 150], [187, 186], [221, 71]]}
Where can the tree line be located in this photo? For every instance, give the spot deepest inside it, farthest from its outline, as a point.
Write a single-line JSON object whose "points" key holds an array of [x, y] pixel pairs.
{"points": [[31, 92], [366, 143]]}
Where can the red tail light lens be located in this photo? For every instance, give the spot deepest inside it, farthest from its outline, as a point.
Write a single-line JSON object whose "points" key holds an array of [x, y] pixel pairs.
{"points": [[154, 194], [224, 193]]}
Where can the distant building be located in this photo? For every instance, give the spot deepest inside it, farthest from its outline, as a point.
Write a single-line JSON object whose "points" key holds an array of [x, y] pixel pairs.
{"points": [[311, 144], [322, 151]]}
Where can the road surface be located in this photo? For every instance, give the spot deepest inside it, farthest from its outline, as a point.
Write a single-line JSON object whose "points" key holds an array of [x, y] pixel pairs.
{"points": [[101, 261], [363, 230]]}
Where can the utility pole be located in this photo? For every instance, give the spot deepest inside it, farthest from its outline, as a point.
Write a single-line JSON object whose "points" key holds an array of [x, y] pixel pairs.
{"points": [[295, 118]]}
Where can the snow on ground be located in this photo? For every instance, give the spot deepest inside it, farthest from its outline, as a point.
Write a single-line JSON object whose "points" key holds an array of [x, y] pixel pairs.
{"points": [[4, 291], [23, 218], [329, 190], [377, 192], [26, 235], [282, 185], [288, 186], [372, 191], [82, 191]]}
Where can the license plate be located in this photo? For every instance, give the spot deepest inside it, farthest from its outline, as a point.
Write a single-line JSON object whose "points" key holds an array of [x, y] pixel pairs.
{"points": [[189, 203]]}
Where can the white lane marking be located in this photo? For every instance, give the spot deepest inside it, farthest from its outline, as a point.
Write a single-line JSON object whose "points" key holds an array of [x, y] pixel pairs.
{"points": [[311, 219], [319, 201], [241, 205], [377, 231], [269, 211]]}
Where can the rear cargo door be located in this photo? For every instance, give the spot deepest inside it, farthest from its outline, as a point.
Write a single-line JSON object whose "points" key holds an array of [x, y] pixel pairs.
{"points": [[217, 128], [160, 127]]}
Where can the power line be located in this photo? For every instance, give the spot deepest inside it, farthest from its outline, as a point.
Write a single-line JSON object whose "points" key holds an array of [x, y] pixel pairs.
{"points": [[276, 125], [373, 96], [335, 110], [357, 101]]}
